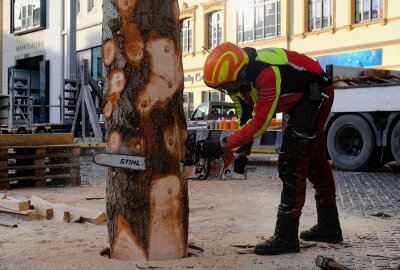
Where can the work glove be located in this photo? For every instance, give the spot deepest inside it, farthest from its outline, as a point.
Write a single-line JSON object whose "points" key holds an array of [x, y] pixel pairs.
{"points": [[211, 148], [240, 164]]}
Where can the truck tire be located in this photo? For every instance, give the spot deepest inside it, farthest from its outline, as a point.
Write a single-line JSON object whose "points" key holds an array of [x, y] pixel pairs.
{"points": [[395, 142], [351, 143]]}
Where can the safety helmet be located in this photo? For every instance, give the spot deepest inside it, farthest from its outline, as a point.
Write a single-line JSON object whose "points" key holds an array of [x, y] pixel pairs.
{"points": [[223, 64]]}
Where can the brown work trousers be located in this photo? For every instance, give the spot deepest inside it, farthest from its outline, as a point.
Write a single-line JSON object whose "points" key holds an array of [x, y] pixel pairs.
{"points": [[303, 155]]}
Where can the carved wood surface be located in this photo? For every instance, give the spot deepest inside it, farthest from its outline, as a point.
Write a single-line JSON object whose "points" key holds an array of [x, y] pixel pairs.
{"points": [[143, 106]]}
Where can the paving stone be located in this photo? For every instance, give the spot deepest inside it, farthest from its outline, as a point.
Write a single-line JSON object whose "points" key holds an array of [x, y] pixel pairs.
{"points": [[365, 193]]}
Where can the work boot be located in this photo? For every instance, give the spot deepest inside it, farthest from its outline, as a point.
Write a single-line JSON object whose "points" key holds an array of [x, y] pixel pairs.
{"points": [[285, 239], [276, 245], [327, 228]]}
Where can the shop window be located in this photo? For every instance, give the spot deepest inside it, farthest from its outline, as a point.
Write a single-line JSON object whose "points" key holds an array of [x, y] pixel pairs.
{"points": [[367, 10], [258, 19], [319, 14], [187, 35], [215, 28], [27, 16]]}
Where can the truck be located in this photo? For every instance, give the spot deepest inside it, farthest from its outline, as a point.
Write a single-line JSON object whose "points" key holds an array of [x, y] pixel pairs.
{"points": [[363, 128]]}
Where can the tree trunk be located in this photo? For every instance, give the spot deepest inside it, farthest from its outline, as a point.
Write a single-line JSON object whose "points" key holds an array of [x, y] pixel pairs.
{"points": [[147, 210]]}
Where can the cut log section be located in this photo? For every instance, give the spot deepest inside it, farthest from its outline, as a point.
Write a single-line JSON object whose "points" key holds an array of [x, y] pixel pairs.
{"points": [[13, 204], [45, 212], [60, 214], [27, 215], [62, 211]]}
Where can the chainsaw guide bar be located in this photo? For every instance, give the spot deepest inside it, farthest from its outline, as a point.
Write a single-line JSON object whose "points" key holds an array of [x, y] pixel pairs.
{"points": [[120, 161]]}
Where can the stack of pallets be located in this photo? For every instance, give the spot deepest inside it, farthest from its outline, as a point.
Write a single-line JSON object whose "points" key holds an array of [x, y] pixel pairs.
{"points": [[38, 160]]}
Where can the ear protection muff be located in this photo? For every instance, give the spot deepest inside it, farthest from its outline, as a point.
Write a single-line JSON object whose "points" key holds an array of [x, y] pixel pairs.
{"points": [[243, 80]]}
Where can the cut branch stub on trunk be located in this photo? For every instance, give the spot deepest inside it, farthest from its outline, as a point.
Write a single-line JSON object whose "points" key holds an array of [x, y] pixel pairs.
{"points": [[109, 52], [174, 140], [165, 77], [114, 141], [116, 83]]}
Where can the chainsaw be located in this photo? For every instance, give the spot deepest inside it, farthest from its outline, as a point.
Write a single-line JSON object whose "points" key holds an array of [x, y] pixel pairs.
{"points": [[195, 166], [200, 166]]}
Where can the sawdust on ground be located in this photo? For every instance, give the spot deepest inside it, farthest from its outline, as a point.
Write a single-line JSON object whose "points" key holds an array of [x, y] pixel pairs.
{"points": [[223, 214]]}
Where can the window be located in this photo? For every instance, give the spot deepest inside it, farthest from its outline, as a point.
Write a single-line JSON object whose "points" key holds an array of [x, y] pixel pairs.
{"points": [[319, 14], [91, 5], [27, 16], [215, 96], [259, 19], [78, 7], [188, 104], [215, 28], [212, 96], [187, 35], [93, 55], [367, 10]]}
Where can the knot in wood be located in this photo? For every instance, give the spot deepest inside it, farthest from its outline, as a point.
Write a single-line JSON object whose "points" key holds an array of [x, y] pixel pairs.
{"points": [[169, 84], [166, 48], [169, 191], [144, 103], [138, 146], [170, 141]]}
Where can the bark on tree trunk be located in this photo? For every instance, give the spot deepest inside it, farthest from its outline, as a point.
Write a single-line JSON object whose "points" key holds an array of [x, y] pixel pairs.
{"points": [[147, 211]]}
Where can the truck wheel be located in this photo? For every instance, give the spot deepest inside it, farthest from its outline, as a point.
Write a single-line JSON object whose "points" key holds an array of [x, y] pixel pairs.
{"points": [[395, 142], [350, 143]]}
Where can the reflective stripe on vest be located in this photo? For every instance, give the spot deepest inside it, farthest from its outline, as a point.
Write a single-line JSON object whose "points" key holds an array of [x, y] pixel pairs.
{"points": [[273, 106]]}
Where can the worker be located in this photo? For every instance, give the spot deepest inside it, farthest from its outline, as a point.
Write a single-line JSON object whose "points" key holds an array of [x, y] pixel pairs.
{"points": [[262, 83]]}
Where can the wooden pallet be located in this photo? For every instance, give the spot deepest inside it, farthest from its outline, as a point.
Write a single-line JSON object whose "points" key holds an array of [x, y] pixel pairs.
{"points": [[41, 165]]}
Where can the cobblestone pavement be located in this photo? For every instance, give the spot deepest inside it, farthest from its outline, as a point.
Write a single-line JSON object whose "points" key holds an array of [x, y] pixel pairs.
{"points": [[372, 194]]}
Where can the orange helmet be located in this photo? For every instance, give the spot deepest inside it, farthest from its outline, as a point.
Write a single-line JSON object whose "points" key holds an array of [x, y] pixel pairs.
{"points": [[223, 64]]}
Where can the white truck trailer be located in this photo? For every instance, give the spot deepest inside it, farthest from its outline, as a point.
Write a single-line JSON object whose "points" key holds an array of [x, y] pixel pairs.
{"points": [[363, 130]]}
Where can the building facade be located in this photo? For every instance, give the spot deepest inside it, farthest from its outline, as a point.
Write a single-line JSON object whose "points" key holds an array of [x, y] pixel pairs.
{"points": [[341, 32], [37, 38]]}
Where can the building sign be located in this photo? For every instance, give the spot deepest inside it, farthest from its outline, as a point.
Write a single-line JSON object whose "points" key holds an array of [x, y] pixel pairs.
{"points": [[27, 16], [192, 79], [365, 58], [29, 46]]}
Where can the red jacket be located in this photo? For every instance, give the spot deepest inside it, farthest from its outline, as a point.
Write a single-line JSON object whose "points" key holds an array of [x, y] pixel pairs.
{"points": [[276, 88]]}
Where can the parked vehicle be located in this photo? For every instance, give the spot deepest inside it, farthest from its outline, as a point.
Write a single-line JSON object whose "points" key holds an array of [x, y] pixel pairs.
{"points": [[208, 111], [363, 131]]}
